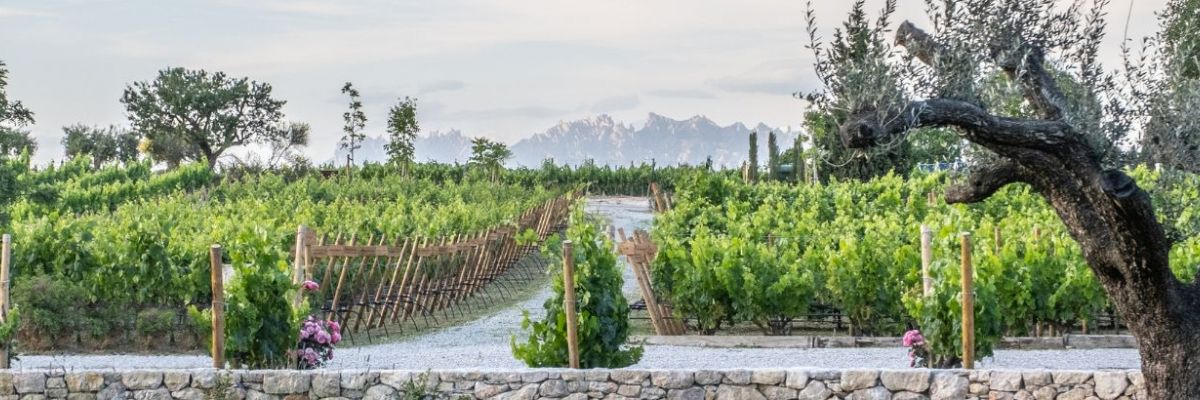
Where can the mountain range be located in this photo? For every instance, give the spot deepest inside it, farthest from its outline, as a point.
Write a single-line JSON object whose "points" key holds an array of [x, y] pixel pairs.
{"points": [[660, 139]]}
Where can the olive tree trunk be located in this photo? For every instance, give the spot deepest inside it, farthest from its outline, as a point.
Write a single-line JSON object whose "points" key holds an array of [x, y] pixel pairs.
{"points": [[1104, 210]]}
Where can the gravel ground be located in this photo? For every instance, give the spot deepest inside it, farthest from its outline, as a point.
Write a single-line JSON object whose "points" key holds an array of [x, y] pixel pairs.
{"points": [[484, 343]]}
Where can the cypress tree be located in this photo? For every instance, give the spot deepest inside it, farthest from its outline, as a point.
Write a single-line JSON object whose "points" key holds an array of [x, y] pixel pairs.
{"points": [[798, 159], [753, 166], [772, 157]]}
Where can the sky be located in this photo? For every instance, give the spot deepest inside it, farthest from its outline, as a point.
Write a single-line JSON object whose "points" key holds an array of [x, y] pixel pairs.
{"points": [[501, 69]]}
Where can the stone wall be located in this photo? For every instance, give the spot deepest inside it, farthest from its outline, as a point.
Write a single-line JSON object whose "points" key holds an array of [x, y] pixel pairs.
{"points": [[776, 384]]}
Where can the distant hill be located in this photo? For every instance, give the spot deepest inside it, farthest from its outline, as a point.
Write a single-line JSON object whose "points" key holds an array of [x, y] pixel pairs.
{"points": [[666, 141]]}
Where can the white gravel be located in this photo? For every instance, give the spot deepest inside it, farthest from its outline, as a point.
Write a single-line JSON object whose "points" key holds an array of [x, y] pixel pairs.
{"points": [[485, 343]]}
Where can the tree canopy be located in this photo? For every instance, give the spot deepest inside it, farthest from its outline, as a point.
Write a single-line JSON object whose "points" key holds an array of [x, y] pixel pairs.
{"points": [[402, 130], [193, 114], [13, 116], [489, 155], [103, 145]]}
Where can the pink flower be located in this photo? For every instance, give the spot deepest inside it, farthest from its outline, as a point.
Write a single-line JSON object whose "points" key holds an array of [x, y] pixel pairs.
{"points": [[310, 330], [335, 338], [310, 356], [333, 326], [310, 286], [322, 337], [913, 338]]}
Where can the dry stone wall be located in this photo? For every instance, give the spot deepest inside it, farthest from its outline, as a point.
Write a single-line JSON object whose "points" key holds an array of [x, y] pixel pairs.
{"points": [[820, 384]]}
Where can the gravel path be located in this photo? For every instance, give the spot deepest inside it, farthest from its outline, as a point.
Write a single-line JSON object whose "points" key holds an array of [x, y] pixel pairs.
{"points": [[484, 343]]}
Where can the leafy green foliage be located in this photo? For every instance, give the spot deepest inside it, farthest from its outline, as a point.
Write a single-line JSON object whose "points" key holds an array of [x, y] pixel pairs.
{"points": [[732, 279], [489, 155], [260, 325], [940, 316], [854, 246], [13, 114], [402, 130], [14, 143], [603, 314], [103, 145], [155, 323], [50, 307]]}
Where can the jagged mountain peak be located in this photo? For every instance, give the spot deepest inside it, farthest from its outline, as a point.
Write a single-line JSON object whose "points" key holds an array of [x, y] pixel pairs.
{"points": [[659, 122], [599, 122], [605, 140], [446, 133]]}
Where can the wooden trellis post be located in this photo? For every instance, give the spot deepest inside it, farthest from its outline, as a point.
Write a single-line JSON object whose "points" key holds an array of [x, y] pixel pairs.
{"points": [[298, 265], [5, 305], [569, 299], [218, 306], [968, 305], [926, 259]]}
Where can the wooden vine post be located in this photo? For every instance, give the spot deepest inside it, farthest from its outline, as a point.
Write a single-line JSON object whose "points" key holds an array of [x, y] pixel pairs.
{"points": [[299, 263], [569, 299], [5, 305], [968, 305], [218, 307], [926, 259]]}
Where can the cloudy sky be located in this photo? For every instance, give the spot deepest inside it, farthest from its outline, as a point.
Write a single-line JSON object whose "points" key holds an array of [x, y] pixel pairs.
{"points": [[503, 69]]}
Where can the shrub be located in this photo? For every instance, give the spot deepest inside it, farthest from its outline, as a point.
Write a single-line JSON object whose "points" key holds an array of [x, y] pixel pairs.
{"points": [[154, 325], [261, 328], [50, 307], [939, 316], [603, 314]]}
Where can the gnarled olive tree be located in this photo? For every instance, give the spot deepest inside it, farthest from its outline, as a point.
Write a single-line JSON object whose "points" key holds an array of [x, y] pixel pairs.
{"points": [[1067, 137]]}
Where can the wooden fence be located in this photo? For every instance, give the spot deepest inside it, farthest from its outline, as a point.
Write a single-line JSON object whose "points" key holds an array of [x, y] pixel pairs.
{"points": [[639, 250], [377, 281]]}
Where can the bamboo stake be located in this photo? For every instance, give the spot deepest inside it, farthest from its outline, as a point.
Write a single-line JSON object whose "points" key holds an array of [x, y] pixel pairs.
{"points": [[926, 259], [569, 292], [325, 283], [337, 291], [968, 305], [445, 275], [365, 279], [218, 306], [406, 285], [387, 295], [423, 280], [383, 281]]}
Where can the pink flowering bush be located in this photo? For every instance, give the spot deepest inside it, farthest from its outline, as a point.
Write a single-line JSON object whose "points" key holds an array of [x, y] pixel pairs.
{"points": [[317, 340], [918, 354]]}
